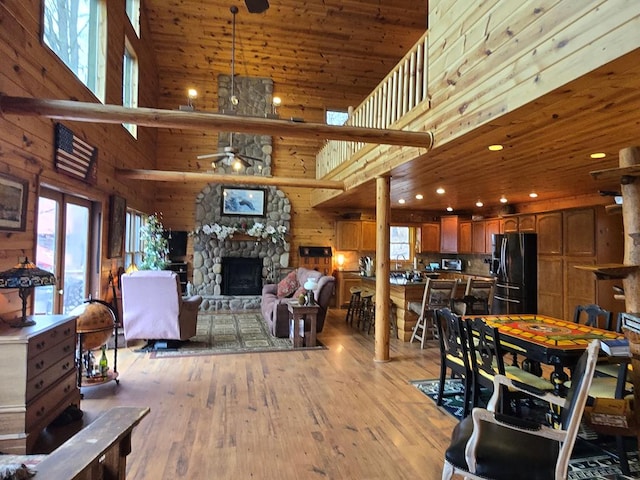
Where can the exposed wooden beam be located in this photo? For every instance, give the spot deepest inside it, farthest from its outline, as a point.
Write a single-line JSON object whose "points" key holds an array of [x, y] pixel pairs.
{"points": [[153, 117], [173, 176]]}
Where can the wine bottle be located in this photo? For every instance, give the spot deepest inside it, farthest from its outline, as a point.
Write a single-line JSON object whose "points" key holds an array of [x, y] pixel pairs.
{"points": [[104, 364]]}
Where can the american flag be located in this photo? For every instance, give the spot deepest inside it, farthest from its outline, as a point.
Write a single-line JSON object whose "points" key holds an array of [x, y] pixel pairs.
{"points": [[75, 157]]}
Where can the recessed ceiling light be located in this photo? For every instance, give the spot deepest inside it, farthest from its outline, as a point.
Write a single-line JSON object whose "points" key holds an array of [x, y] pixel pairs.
{"points": [[598, 155], [495, 148], [479, 204], [503, 199], [449, 209], [533, 195], [401, 201], [419, 196], [440, 190]]}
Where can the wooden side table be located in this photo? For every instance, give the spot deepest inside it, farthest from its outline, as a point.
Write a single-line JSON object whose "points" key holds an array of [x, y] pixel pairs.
{"points": [[306, 315]]}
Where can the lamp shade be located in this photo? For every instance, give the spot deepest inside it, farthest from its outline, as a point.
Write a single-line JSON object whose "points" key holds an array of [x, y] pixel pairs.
{"points": [[25, 275]]}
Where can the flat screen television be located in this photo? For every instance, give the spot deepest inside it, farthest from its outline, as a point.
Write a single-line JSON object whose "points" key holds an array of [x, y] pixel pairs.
{"points": [[177, 240]]}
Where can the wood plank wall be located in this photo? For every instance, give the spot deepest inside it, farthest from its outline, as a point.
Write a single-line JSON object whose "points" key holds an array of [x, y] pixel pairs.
{"points": [[30, 69]]}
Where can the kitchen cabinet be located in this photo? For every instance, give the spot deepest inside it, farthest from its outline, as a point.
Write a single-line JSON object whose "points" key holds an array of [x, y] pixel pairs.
{"points": [[465, 237], [478, 237], [579, 232], [430, 237], [551, 285], [510, 224], [348, 234], [527, 223], [549, 229], [491, 228], [344, 281], [368, 236], [449, 234]]}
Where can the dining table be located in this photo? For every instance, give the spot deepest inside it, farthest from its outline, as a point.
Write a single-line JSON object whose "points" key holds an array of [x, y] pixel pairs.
{"points": [[544, 339]]}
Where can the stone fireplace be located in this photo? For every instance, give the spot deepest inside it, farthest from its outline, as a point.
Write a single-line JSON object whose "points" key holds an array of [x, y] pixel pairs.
{"points": [[241, 276]]}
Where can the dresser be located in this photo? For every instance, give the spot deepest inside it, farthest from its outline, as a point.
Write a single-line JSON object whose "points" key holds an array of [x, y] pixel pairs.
{"points": [[38, 377]]}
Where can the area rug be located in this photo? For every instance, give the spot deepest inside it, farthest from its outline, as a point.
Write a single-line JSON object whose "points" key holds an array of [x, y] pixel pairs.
{"points": [[230, 333], [587, 462]]}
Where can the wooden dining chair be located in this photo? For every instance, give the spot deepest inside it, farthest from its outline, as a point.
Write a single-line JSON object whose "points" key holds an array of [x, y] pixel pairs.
{"points": [[436, 294], [593, 316], [488, 445], [454, 354]]}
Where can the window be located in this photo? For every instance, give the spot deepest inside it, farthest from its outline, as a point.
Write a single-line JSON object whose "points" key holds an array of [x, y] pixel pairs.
{"points": [[75, 30], [400, 244], [63, 246], [130, 84], [336, 117], [132, 241], [133, 12]]}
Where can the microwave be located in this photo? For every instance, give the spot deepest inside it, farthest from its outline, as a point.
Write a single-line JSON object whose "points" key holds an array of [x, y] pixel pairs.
{"points": [[451, 264]]}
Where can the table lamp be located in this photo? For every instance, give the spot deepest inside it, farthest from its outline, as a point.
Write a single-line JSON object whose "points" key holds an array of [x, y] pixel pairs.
{"points": [[25, 276], [309, 285]]}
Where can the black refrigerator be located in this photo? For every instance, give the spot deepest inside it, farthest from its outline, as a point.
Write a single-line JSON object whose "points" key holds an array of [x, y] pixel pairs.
{"points": [[514, 263]]}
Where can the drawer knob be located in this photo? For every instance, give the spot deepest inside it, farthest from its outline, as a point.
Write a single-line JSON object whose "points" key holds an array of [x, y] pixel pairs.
{"points": [[39, 365], [39, 385]]}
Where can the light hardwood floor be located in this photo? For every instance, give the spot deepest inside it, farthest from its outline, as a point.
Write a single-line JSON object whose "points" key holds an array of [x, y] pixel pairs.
{"points": [[327, 414]]}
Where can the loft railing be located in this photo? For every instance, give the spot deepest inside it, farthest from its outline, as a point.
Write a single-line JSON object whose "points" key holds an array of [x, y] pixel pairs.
{"points": [[400, 91]]}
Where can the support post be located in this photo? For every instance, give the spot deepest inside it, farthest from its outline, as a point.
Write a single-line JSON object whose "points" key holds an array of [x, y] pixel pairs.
{"points": [[383, 210]]}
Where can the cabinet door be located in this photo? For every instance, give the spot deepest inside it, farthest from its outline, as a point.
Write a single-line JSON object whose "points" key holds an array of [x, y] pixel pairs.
{"points": [[430, 237], [369, 236], [449, 234], [464, 237], [348, 234], [527, 223], [491, 227], [478, 237], [580, 285], [550, 283], [510, 224], [579, 232], [549, 227]]}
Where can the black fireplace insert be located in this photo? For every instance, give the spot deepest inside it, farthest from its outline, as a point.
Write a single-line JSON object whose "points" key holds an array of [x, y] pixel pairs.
{"points": [[241, 276]]}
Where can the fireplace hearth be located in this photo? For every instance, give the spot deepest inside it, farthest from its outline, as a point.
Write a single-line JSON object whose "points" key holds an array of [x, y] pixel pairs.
{"points": [[241, 276]]}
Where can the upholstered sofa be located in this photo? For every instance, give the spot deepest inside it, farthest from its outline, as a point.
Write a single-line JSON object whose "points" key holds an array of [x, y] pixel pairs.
{"points": [[276, 298]]}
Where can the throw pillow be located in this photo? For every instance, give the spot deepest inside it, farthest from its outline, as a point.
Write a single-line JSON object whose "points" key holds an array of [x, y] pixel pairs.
{"points": [[288, 285]]}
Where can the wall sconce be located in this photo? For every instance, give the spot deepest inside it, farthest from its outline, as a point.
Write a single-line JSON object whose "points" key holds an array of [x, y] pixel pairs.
{"points": [[340, 260], [275, 103], [192, 94]]}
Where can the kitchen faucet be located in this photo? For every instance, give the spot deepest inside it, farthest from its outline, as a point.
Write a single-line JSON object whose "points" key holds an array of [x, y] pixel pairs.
{"points": [[398, 264]]}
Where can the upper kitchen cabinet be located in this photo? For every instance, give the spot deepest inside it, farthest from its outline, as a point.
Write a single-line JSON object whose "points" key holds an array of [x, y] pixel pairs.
{"points": [[478, 237], [368, 236], [579, 232], [449, 234], [549, 228], [430, 237], [491, 228], [348, 235], [464, 237], [511, 224], [519, 223]]}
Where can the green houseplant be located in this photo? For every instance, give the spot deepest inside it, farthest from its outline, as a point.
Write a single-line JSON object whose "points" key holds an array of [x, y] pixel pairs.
{"points": [[155, 247]]}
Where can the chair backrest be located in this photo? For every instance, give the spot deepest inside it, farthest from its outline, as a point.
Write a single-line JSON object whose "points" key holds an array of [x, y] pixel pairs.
{"points": [[480, 295], [593, 316], [438, 294], [575, 402], [485, 351], [452, 336]]}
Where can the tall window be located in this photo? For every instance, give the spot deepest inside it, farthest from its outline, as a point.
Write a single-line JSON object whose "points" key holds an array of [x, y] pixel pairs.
{"points": [[132, 241], [75, 30], [133, 12], [336, 117], [400, 244], [63, 245], [130, 84]]}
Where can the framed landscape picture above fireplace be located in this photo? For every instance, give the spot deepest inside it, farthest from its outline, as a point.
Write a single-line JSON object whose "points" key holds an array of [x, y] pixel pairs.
{"points": [[244, 201]]}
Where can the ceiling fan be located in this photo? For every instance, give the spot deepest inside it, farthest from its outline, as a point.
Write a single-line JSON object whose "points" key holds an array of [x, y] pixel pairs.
{"points": [[230, 155]]}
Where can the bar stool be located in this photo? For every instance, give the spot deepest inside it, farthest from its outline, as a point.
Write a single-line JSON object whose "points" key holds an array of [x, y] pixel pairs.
{"points": [[366, 308], [393, 323], [437, 294], [354, 304]]}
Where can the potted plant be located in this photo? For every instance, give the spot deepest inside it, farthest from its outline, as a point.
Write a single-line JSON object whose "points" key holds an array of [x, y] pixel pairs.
{"points": [[155, 246]]}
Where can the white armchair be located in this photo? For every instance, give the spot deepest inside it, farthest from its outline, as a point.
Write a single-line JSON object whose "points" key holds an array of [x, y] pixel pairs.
{"points": [[154, 309]]}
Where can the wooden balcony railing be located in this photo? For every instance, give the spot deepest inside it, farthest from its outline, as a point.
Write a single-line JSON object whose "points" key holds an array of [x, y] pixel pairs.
{"points": [[400, 91]]}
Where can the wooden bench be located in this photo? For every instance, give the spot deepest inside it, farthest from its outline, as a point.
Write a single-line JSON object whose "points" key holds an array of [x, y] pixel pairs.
{"points": [[98, 451]]}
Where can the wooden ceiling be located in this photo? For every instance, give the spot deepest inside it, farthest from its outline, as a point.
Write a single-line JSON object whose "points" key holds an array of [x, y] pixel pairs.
{"points": [[333, 53]]}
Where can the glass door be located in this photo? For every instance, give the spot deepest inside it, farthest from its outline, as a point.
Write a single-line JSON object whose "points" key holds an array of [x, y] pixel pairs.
{"points": [[63, 247]]}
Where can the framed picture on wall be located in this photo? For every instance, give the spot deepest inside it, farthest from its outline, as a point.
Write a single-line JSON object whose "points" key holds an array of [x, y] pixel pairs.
{"points": [[14, 194], [244, 201], [117, 219]]}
